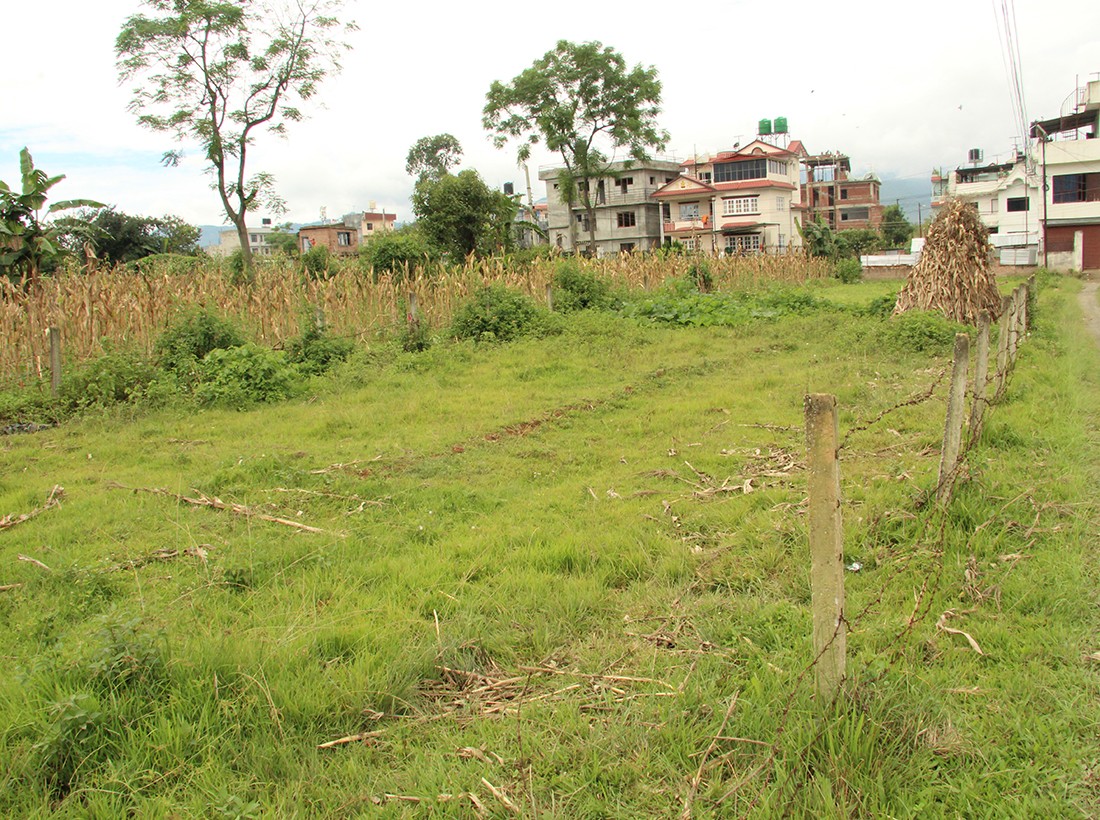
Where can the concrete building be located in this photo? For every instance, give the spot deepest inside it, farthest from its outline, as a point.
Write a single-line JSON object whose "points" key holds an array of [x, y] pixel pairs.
{"points": [[1068, 155], [343, 238], [1059, 228], [228, 241], [627, 217], [831, 195], [746, 200]]}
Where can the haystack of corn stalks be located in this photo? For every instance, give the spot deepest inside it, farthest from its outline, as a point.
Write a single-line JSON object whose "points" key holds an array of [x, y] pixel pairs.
{"points": [[953, 274]]}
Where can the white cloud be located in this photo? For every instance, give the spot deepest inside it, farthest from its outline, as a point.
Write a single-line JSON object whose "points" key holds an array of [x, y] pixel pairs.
{"points": [[901, 90]]}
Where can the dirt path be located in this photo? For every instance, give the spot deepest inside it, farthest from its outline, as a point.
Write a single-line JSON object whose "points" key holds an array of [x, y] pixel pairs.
{"points": [[1091, 308]]}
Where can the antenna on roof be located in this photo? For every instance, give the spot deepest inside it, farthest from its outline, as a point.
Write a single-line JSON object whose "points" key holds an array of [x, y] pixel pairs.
{"points": [[324, 214]]}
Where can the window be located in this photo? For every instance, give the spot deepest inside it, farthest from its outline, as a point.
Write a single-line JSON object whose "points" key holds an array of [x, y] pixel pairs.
{"points": [[625, 182], [669, 179], [653, 180], [855, 215], [626, 247], [743, 243], [689, 243], [843, 193], [370, 226], [626, 219], [254, 238], [993, 205], [736, 171], [601, 193], [741, 205], [1015, 204], [1076, 188], [705, 176], [777, 167], [780, 203], [666, 211], [343, 239], [689, 211]]}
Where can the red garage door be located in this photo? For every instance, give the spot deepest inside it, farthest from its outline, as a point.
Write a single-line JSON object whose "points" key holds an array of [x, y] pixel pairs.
{"points": [[1091, 260]]}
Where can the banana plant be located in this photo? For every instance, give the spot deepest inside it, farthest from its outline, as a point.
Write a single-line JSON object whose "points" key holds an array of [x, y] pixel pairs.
{"points": [[27, 240]]}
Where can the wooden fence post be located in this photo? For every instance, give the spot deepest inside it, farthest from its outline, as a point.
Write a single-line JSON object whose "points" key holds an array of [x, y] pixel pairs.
{"points": [[952, 431], [55, 361], [1002, 344], [981, 376], [826, 543], [549, 297]]}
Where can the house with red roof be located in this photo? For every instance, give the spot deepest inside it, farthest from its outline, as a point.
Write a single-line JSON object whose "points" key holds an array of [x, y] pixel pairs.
{"points": [[745, 200]]}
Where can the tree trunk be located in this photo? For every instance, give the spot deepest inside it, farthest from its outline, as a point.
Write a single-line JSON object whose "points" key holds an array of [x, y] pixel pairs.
{"points": [[246, 247]]}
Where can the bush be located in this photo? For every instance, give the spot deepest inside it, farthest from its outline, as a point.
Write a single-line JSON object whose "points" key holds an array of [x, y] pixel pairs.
{"points": [[242, 376], [576, 288], [191, 337], [496, 314], [395, 252], [111, 379], [317, 263], [315, 351], [848, 271]]}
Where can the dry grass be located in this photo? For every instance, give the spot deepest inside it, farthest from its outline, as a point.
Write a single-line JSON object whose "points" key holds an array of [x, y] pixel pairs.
{"points": [[105, 309], [953, 275]]}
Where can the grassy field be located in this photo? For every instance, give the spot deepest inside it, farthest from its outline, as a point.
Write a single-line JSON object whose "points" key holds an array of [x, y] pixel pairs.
{"points": [[564, 577]]}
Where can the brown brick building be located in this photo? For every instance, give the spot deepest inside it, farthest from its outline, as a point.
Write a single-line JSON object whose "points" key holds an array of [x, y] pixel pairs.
{"points": [[830, 193]]}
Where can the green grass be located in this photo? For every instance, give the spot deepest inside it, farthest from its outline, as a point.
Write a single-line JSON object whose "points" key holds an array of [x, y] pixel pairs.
{"points": [[573, 504]]}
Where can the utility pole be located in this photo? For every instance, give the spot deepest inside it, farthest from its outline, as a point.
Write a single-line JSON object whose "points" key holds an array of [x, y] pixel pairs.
{"points": [[920, 221], [1043, 235]]}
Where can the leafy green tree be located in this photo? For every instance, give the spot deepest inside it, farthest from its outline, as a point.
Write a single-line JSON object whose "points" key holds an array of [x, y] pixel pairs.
{"points": [[284, 239], [28, 243], [217, 73], [433, 157], [818, 238], [119, 237], [581, 101], [461, 215], [395, 251], [896, 229], [856, 242]]}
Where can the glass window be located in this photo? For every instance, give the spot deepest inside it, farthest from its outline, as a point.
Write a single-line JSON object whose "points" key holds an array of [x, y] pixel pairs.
{"points": [[736, 171], [626, 219], [1015, 204], [741, 205], [689, 210]]}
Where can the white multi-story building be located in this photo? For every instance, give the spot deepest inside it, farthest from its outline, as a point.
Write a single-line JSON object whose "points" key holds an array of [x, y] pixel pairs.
{"points": [[747, 200], [1041, 206]]}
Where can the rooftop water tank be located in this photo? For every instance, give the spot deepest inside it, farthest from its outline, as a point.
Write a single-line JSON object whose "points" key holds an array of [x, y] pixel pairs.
{"points": [[765, 127], [781, 125]]}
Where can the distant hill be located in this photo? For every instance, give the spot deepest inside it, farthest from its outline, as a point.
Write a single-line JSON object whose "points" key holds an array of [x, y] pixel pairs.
{"points": [[907, 193]]}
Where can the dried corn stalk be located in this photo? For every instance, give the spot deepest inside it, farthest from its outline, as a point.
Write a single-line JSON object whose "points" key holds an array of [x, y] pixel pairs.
{"points": [[953, 275]]}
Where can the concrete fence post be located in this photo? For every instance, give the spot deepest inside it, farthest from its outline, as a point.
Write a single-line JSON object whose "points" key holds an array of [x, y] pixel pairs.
{"points": [[549, 297], [952, 431], [1014, 328], [1002, 344], [826, 543], [55, 361], [319, 319], [981, 376], [410, 317]]}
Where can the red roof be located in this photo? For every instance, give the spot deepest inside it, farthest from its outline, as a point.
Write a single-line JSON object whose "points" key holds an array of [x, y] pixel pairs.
{"points": [[668, 190]]}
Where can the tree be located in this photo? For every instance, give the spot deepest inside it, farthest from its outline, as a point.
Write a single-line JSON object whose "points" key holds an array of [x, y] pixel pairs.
{"points": [[896, 229], [461, 215], [580, 101], [119, 238], [433, 157], [216, 73], [818, 238], [395, 251], [855, 242], [27, 243], [284, 240]]}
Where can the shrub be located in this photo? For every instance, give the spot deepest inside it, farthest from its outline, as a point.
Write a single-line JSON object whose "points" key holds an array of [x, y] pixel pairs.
{"points": [[245, 375], [576, 288], [495, 313], [111, 379], [882, 306], [848, 271], [317, 262], [192, 336], [315, 351], [395, 252], [72, 738]]}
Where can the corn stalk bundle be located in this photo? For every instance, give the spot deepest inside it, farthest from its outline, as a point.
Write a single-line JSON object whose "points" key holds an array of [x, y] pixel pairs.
{"points": [[953, 275]]}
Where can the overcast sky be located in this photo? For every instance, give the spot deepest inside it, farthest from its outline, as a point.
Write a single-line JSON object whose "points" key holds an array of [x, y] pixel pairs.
{"points": [[900, 87]]}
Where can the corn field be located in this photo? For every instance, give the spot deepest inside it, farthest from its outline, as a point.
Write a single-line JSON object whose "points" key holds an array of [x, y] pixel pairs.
{"points": [[100, 310]]}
